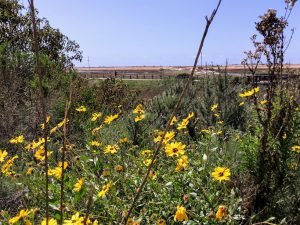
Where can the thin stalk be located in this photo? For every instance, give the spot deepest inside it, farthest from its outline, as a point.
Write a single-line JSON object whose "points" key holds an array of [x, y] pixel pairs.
{"points": [[41, 98], [68, 104], [89, 205], [183, 93]]}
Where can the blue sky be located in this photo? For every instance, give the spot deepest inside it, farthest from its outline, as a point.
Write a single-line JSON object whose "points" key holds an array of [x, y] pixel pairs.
{"points": [[161, 32]]}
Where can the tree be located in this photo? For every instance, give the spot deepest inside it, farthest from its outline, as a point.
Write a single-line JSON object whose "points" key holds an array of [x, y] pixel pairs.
{"points": [[17, 78]]}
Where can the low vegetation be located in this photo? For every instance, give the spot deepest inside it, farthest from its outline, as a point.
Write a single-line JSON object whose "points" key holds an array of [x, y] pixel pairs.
{"points": [[231, 155]]}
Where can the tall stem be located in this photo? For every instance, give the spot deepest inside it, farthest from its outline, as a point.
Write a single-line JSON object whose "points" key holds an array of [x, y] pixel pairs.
{"points": [[38, 70], [183, 93]]}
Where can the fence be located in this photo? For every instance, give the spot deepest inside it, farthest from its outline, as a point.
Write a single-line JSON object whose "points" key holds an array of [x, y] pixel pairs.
{"points": [[157, 75]]}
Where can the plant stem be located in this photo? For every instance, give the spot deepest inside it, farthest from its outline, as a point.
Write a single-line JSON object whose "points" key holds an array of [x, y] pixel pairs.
{"points": [[68, 104], [41, 98], [144, 181]]}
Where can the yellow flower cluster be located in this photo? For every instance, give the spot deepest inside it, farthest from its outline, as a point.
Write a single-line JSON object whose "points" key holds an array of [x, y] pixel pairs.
{"points": [[47, 121], [59, 125], [249, 93], [95, 130], [3, 154], [76, 219], [169, 136], [21, 215], [81, 109], [182, 163], [214, 107], [57, 171], [5, 168], [17, 140], [35, 144], [185, 121], [111, 118], [173, 121], [50, 222], [40, 153], [78, 185], [105, 189], [96, 116], [140, 113], [95, 143]]}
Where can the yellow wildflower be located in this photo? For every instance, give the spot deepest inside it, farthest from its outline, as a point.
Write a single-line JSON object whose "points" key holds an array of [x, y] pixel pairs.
{"points": [[173, 121], [60, 124], [105, 189], [180, 214], [123, 140], [95, 130], [22, 214], [17, 140], [8, 164], [147, 162], [40, 153], [81, 109], [139, 118], [161, 222], [75, 220], [221, 173], [3, 154], [153, 175], [217, 115], [29, 170], [146, 152], [50, 222], [169, 136], [183, 124], [112, 149], [263, 102], [284, 136], [190, 116], [53, 130], [222, 212], [78, 185], [220, 122], [57, 171], [27, 222], [36, 144], [182, 163], [249, 93], [214, 107], [138, 110], [242, 103], [174, 149], [95, 143], [110, 118], [158, 137], [47, 121], [96, 116], [296, 148]]}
